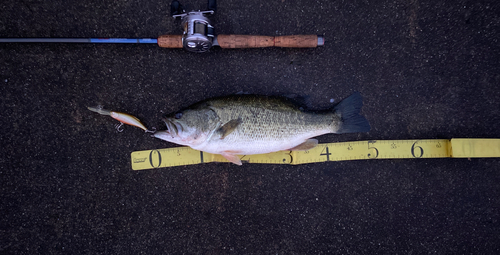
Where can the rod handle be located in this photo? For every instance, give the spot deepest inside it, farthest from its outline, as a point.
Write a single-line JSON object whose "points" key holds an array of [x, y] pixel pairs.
{"points": [[170, 41], [259, 41]]}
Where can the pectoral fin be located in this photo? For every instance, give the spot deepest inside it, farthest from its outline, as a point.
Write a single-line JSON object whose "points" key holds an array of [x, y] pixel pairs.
{"points": [[232, 158], [228, 128], [307, 145]]}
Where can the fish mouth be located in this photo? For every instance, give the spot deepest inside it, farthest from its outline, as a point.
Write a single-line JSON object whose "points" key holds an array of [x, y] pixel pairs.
{"points": [[173, 127]]}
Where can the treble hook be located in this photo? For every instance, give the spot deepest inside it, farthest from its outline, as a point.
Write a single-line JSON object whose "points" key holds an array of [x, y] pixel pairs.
{"points": [[119, 127]]}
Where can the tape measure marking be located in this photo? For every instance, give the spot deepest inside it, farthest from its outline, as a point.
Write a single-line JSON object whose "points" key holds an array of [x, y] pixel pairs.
{"points": [[475, 148], [357, 150]]}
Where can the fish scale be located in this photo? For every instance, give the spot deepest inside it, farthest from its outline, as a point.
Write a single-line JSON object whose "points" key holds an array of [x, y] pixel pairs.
{"points": [[268, 119]]}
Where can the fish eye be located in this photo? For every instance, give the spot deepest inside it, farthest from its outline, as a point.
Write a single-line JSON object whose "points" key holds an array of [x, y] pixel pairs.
{"points": [[178, 115]]}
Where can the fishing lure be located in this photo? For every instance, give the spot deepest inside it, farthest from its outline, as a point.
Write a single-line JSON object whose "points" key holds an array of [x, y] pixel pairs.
{"points": [[123, 118]]}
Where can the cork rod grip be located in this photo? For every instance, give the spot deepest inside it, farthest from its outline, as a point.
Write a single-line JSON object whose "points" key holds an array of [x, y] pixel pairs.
{"points": [[170, 41], [259, 41], [296, 41]]}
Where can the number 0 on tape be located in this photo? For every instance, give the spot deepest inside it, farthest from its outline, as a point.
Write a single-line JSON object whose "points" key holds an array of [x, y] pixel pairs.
{"points": [[358, 150]]}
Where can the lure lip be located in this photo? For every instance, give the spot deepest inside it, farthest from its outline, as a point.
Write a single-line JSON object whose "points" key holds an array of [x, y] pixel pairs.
{"points": [[99, 110]]}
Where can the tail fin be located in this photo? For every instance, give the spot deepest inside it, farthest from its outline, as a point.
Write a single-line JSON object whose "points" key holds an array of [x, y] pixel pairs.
{"points": [[348, 110]]}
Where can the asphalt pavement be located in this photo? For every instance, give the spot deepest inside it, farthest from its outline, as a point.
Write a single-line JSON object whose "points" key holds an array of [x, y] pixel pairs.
{"points": [[426, 69]]}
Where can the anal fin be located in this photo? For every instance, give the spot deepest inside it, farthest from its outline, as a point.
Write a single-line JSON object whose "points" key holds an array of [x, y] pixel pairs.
{"points": [[232, 158], [307, 145]]}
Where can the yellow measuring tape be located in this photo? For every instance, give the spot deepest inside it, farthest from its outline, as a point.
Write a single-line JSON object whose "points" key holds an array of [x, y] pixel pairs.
{"points": [[374, 149]]}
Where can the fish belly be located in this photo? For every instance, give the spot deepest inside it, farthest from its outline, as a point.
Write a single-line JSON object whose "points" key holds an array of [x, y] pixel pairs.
{"points": [[244, 146]]}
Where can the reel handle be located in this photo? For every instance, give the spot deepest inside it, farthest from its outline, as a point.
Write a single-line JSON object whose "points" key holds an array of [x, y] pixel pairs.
{"points": [[260, 41]]}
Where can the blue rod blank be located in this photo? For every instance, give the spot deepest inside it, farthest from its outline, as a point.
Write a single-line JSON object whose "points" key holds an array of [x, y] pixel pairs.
{"points": [[78, 40]]}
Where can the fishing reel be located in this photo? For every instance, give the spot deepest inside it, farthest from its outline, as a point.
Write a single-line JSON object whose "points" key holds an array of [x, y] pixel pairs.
{"points": [[198, 34]]}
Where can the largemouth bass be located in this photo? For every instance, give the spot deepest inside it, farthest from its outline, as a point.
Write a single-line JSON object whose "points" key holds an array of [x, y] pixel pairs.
{"points": [[251, 124]]}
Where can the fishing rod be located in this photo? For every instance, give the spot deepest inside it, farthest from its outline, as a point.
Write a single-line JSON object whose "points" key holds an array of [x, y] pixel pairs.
{"points": [[198, 36]]}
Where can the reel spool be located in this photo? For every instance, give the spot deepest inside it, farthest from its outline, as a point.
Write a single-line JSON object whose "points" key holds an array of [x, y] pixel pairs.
{"points": [[198, 35]]}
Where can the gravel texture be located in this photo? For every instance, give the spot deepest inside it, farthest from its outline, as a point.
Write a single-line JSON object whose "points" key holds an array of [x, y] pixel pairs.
{"points": [[426, 69]]}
